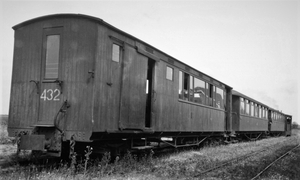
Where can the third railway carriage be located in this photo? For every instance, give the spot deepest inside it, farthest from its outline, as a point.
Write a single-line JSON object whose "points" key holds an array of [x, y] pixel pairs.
{"points": [[278, 122], [249, 117], [77, 78]]}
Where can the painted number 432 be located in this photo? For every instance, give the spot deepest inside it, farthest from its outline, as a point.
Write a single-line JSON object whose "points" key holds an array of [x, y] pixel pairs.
{"points": [[50, 95]]}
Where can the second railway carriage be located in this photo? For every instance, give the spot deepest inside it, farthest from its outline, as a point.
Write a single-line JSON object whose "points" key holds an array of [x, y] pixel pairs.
{"points": [[77, 78], [249, 117]]}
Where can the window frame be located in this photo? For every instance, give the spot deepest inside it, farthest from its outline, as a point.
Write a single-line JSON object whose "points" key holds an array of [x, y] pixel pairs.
{"points": [[202, 83], [53, 31], [172, 73], [112, 52], [242, 105]]}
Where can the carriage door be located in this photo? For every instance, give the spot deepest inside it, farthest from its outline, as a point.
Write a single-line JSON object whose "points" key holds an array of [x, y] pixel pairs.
{"points": [[51, 84], [135, 110]]}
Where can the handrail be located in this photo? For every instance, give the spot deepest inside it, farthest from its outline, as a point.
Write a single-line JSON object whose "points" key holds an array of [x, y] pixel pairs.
{"points": [[62, 109]]}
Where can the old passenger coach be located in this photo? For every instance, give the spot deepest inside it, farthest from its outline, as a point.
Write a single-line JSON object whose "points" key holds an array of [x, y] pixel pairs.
{"points": [[78, 79]]}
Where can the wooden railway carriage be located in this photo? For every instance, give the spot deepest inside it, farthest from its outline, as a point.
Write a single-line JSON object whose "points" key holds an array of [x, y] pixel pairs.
{"points": [[278, 122], [77, 78], [249, 117]]}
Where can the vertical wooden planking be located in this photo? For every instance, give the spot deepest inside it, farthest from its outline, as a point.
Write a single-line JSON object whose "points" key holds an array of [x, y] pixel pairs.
{"points": [[79, 43], [133, 103], [26, 65]]}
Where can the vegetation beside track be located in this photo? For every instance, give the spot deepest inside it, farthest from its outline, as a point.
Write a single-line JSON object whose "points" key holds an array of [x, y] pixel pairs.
{"points": [[180, 165]]}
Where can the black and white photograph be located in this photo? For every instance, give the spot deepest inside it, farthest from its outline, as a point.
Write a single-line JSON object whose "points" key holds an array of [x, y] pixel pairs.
{"points": [[128, 89]]}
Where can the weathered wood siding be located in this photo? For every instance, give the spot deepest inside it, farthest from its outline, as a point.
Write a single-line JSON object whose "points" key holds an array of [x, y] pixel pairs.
{"points": [[24, 99], [173, 114], [114, 99], [236, 113], [278, 125], [248, 123], [79, 45], [77, 57]]}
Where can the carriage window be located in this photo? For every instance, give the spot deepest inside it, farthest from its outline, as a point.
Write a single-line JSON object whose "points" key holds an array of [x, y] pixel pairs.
{"points": [[185, 86], [199, 91], [259, 111], [116, 53], [219, 98], [169, 74], [211, 91], [252, 109], [242, 106], [247, 110], [256, 110], [266, 116], [180, 91], [191, 92], [52, 56]]}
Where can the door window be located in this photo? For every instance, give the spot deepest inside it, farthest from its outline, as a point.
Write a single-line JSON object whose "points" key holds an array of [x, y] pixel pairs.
{"points": [[52, 56]]}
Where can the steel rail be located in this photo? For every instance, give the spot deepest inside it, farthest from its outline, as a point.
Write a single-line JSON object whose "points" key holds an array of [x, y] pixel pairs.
{"points": [[230, 161], [271, 164]]}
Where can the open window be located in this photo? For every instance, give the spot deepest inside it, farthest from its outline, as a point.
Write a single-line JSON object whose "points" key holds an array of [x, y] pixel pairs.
{"points": [[242, 106], [199, 91], [247, 109], [184, 86], [219, 98], [211, 94], [252, 109]]}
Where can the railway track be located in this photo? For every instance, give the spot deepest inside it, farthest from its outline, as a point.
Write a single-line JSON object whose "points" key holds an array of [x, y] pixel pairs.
{"points": [[243, 157], [273, 162], [237, 159], [230, 161]]}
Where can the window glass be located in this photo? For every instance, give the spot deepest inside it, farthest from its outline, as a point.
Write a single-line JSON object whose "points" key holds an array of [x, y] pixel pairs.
{"points": [[191, 89], [169, 74], [259, 111], [52, 56], [116, 53], [242, 106], [252, 109], [199, 91], [185, 86], [266, 113], [224, 99], [219, 98], [180, 91], [210, 90], [247, 110], [256, 110]]}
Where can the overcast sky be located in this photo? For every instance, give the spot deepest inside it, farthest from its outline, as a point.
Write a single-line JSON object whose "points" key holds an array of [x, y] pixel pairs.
{"points": [[252, 46]]}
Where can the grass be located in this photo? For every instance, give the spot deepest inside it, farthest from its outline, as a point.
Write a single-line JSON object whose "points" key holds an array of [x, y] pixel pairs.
{"points": [[180, 165], [4, 139]]}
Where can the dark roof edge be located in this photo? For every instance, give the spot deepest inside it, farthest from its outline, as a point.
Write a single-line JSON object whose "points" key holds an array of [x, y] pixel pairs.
{"points": [[236, 93], [53, 15]]}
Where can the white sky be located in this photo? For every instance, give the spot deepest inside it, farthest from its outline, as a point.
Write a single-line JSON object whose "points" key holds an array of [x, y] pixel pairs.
{"points": [[252, 46]]}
